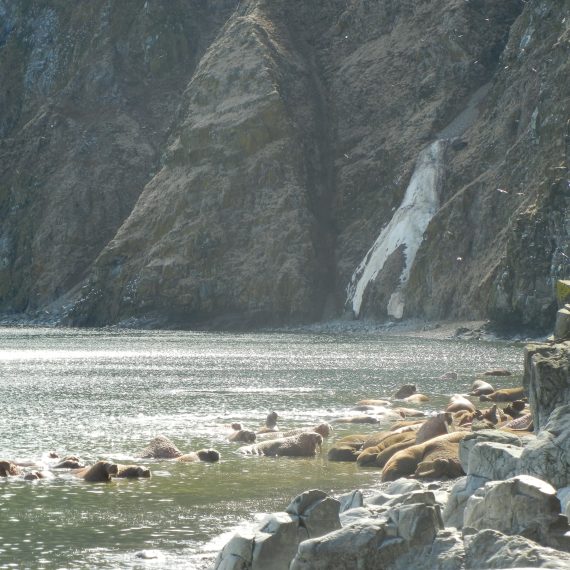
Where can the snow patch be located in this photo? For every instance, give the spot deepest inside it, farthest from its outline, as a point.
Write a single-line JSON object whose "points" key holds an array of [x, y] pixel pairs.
{"points": [[407, 227]]}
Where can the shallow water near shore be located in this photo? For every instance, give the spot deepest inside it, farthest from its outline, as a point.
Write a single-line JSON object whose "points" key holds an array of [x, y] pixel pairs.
{"points": [[104, 394]]}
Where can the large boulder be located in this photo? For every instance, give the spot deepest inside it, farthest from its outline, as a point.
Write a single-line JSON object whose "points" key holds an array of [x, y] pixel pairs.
{"points": [[548, 455], [492, 549], [487, 435], [494, 461], [318, 513], [546, 379], [458, 496], [522, 505]]}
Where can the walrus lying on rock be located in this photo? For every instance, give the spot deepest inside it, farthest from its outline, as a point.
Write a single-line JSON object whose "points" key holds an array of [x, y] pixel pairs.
{"points": [[457, 402], [480, 387], [302, 445], [373, 403], [406, 462], [378, 454], [100, 472], [357, 420]]}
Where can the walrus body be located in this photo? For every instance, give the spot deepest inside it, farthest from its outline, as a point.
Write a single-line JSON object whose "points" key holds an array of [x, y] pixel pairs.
{"points": [[386, 447], [9, 469], [132, 472], [434, 426], [70, 462], [206, 455], [458, 403], [323, 429], [160, 448], [504, 395], [100, 472], [480, 387], [302, 445], [405, 462], [242, 436]]}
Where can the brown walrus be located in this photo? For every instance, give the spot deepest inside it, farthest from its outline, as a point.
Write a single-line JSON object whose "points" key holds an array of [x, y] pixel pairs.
{"points": [[242, 436], [270, 423], [100, 472], [504, 395], [405, 462], [304, 444], [70, 462], [133, 471], [8, 469], [160, 447]]}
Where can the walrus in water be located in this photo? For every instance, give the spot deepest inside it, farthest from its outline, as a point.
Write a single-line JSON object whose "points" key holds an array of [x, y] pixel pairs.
{"points": [[70, 462], [100, 472], [206, 455], [242, 436], [302, 445], [160, 447], [270, 423], [8, 469], [132, 471]]}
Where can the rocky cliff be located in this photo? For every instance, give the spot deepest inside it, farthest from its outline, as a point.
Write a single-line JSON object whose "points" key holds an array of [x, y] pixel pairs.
{"points": [[236, 163]]}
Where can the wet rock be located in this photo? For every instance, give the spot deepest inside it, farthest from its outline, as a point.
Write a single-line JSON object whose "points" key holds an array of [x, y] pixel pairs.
{"points": [[471, 439], [494, 461], [319, 513], [351, 500]]}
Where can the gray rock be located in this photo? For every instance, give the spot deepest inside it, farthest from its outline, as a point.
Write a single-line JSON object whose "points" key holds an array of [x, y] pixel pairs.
{"points": [[471, 439], [354, 546], [305, 500], [276, 542], [494, 461], [321, 517], [403, 485], [351, 500], [237, 553], [548, 455], [491, 549], [460, 492], [522, 505], [562, 324], [564, 498], [546, 379]]}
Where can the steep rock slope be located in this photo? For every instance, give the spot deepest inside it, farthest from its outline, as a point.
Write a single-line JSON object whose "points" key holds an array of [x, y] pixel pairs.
{"points": [[248, 155], [87, 96]]}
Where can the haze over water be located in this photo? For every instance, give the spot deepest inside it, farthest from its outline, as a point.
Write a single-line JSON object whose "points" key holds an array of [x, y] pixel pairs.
{"points": [[104, 395]]}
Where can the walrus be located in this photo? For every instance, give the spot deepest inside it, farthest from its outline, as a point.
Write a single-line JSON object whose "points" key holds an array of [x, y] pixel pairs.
{"points": [[373, 403], [405, 462], [243, 436], [480, 387], [160, 448], [416, 399], [206, 455], [504, 395], [458, 402], [392, 441], [497, 372], [70, 462], [132, 471], [434, 426], [343, 452], [409, 413], [515, 409], [100, 472], [523, 423], [440, 468], [270, 423], [9, 469], [405, 391], [323, 429], [35, 475], [302, 445]]}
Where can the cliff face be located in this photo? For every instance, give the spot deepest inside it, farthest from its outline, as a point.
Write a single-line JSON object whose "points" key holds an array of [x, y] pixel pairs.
{"points": [[233, 163]]}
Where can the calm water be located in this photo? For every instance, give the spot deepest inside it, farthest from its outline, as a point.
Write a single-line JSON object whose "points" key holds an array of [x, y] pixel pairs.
{"points": [[104, 395]]}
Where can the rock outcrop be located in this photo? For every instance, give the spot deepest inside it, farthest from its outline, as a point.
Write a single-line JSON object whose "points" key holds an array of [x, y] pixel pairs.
{"points": [[230, 163]]}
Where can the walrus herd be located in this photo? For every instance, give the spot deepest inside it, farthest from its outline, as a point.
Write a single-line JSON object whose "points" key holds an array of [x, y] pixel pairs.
{"points": [[429, 447], [415, 445]]}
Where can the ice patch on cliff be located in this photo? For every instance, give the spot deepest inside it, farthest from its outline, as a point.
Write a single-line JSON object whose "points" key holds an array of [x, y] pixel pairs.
{"points": [[406, 228]]}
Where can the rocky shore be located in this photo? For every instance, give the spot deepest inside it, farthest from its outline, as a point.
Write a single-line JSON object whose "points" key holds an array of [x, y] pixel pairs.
{"points": [[510, 510]]}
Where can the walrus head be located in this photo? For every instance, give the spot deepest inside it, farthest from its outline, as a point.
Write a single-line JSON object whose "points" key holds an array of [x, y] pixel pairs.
{"points": [[208, 455], [271, 420], [112, 469], [324, 429], [236, 426], [133, 471], [7, 468]]}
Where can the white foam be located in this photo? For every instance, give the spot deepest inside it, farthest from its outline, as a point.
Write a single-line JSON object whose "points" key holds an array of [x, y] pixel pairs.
{"points": [[406, 228]]}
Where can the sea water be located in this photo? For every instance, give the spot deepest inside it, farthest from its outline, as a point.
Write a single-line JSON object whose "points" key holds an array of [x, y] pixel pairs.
{"points": [[103, 394]]}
